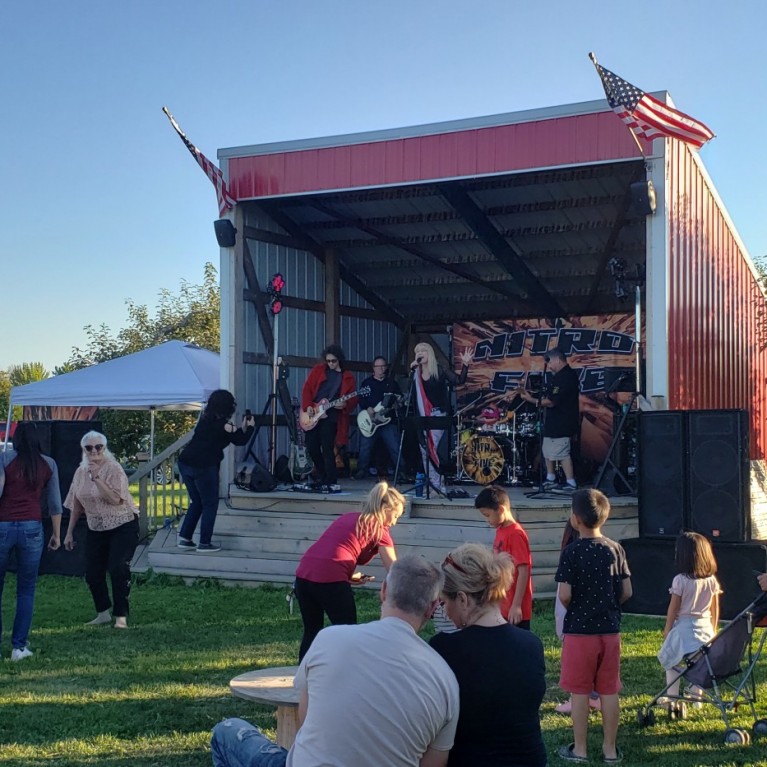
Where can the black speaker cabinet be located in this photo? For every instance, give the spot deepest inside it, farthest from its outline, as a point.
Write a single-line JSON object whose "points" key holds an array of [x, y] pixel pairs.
{"points": [[651, 562], [662, 473], [225, 233], [652, 565], [61, 441], [61, 562], [719, 495]]}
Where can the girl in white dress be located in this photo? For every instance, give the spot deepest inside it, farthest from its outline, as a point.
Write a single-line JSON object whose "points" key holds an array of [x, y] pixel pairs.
{"points": [[693, 612]]}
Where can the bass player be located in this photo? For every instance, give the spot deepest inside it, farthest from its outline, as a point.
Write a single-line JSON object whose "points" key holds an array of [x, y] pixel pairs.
{"points": [[328, 381], [380, 418]]}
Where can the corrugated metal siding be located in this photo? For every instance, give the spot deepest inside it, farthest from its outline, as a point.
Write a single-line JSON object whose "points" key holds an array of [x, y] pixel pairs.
{"points": [[301, 332], [574, 140], [716, 307]]}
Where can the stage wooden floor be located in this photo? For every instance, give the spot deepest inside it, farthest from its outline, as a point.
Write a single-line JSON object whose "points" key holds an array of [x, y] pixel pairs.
{"points": [[263, 535]]}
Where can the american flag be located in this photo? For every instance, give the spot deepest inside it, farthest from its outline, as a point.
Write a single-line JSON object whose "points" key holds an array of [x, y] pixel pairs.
{"points": [[225, 200], [647, 117]]}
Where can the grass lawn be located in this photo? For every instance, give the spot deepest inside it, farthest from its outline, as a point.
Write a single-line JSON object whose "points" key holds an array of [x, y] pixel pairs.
{"points": [[149, 696]]}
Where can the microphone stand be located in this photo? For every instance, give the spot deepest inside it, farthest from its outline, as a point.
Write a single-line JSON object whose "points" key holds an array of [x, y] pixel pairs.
{"points": [[403, 423], [540, 492]]}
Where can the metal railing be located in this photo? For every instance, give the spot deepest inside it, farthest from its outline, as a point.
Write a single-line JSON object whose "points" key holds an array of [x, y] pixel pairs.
{"points": [[162, 496]]}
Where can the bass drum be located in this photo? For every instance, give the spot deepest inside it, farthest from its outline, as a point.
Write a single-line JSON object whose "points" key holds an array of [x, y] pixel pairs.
{"points": [[482, 459], [527, 425]]}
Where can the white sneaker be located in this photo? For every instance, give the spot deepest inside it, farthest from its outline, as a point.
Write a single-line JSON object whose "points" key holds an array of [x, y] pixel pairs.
{"points": [[20, 654]]}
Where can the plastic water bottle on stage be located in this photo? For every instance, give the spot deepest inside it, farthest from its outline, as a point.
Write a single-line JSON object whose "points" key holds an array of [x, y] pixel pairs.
{"points": [[419, 483]]}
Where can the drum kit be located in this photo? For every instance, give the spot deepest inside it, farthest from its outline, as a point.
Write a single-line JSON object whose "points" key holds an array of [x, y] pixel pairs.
{"points": [[504, 451]]}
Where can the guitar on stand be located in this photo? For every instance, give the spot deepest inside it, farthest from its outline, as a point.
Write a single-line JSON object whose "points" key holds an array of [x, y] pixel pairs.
{"points": [[310, 417], [300, 463]]}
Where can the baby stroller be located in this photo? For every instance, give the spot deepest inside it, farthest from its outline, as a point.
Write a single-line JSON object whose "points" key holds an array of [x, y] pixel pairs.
{"points": [[717, 671]]}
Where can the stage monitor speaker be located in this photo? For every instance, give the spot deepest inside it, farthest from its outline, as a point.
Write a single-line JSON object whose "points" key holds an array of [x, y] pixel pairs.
{"points": [[61, 441], [225, 233], [719, 493], [662, 473], [652, 565], [643, 199]]}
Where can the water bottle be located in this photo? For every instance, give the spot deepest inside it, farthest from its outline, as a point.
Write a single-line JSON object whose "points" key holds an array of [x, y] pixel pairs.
{"points": [[419, 483]]}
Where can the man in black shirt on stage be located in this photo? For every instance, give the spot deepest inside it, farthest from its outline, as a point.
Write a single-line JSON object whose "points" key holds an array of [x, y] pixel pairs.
{"points": [[380, 384], [561, 420]]}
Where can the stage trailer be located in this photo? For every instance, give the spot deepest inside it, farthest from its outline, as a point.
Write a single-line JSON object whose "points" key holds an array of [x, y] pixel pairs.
{"points": [[389, 237]]}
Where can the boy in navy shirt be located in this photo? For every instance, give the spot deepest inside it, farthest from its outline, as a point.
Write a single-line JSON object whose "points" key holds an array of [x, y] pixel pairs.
{"points": [[594, 581]]}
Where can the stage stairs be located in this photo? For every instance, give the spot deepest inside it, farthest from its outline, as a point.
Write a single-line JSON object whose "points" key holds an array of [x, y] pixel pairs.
{"points": [[263, 535]]}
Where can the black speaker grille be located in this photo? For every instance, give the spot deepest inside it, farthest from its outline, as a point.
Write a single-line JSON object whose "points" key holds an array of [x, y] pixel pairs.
{"points": [[662, 470]]}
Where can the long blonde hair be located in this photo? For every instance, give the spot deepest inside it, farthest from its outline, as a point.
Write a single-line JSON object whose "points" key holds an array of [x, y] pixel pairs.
{"points": [[431, 360], [371, 522]]}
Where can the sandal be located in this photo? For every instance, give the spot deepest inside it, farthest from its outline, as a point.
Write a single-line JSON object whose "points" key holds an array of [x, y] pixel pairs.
{"points": [[566, 753], [617, 759]]}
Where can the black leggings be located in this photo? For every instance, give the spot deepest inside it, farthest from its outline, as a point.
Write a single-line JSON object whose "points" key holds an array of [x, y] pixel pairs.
{"points": [[316, 599]]}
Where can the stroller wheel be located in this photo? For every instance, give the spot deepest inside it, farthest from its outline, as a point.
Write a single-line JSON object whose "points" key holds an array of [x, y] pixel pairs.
{"points": [[737, 737], [645, 718], [760, 728]]}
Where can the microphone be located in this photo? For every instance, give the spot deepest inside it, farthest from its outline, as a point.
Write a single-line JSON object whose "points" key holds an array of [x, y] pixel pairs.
{"points": [[419, 360]]}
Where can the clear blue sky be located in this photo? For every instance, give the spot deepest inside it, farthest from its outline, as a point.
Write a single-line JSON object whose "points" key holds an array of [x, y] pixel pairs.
{"points": [[100, 202]]}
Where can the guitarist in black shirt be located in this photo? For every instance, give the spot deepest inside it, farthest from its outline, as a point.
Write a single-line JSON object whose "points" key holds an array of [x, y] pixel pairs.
{"points": [[376, 421]]}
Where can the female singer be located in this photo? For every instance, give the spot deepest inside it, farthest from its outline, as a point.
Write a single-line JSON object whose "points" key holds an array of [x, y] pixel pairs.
{"points": [[433, 398]]}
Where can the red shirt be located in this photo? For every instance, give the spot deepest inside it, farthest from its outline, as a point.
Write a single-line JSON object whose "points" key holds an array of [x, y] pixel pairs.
{"points": [[20, 502], [339, 551], [513, 539]]}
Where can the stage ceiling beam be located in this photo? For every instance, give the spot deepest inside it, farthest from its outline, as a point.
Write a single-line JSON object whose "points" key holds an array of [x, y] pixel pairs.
{"points": [[317, 249], [384, 239], [496, 243]]}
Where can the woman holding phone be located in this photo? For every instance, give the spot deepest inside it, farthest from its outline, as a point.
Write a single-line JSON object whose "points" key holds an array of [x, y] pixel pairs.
{"points": [[328, 569]]}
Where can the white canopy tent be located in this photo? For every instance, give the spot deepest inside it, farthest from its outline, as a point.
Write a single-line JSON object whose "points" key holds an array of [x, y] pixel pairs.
{"points": [[171, 376]]}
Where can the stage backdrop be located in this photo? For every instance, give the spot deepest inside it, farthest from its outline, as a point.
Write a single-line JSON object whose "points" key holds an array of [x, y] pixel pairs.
{"points": [[509, 355]]}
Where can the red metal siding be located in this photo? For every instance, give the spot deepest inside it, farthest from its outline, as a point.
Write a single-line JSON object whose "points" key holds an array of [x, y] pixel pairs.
{"points": [[716, 308], [574, 140]]}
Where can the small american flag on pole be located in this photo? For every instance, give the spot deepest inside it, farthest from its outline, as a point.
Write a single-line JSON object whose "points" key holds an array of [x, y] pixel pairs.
{"points": [[647, 117], [225, 200]]}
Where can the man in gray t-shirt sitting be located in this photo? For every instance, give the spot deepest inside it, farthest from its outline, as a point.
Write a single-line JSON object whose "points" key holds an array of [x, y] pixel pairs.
{"points": [[370, 695]]}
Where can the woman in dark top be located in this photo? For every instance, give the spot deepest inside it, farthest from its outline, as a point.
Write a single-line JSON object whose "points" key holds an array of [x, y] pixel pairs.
{"points": [[199, 462], [499, 667], [25, 474], [433, 399]]}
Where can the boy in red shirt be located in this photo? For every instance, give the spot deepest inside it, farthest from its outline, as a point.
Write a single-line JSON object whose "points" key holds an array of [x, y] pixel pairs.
{"points": [[494, 505]]}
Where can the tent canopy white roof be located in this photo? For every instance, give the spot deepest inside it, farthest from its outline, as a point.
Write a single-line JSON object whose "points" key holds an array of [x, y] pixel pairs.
{"points": [[171, 376]]}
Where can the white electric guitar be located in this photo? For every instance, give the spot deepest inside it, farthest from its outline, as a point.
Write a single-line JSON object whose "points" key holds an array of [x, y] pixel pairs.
{"points": [[368, 424], [311, 417]]}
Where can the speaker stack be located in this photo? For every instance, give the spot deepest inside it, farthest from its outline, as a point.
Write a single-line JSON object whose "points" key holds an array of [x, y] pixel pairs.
{"points": [[694, 474]]}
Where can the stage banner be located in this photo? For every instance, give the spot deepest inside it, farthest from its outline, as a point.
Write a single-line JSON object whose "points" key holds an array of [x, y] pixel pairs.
{"points": [[508, 355]]}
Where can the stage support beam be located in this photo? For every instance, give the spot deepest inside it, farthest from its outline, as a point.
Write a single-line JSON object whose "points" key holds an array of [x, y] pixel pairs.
{"points": [[332, 298]]}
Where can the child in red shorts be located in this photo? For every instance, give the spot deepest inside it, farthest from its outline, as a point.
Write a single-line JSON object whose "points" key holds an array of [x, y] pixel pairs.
{"points": [[494, 505], [594, 581]]}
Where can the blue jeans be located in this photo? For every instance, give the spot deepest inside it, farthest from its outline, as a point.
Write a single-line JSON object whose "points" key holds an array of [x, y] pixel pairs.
{"points": [[202, 486], [237, 743], [26, 538], [390, 436]]}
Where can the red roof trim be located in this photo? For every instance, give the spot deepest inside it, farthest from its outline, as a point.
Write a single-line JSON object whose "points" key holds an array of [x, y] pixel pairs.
{"points": [[575, 140]]}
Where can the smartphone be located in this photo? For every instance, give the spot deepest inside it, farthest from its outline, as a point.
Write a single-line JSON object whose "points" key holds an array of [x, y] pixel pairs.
{"points": [[248, 414]]}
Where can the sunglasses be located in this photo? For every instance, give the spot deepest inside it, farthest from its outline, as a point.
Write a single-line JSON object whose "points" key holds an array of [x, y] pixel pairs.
{"points": [[91, 448], [450, 561], [331, 360]]}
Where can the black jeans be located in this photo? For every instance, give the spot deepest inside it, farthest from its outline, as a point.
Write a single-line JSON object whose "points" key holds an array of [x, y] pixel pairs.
{"points": [[110, 551], [316, 599], [321, 442]]}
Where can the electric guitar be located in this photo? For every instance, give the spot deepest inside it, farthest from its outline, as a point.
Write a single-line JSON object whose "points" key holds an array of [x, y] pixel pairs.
{"points": [[300, 463], [308, 420], [381, 416]]}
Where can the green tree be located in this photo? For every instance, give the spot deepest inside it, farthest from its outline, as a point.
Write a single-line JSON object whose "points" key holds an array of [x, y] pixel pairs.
{"points": [[5, 394], [190, 315], [27, 372]]}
